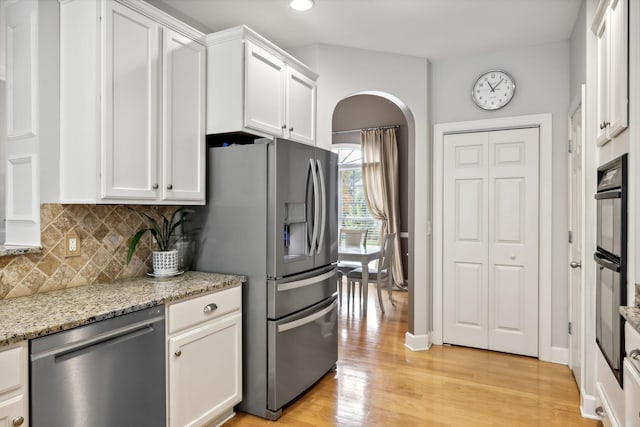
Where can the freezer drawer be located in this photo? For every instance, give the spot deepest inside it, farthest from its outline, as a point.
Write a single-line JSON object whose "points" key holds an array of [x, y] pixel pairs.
{"points": [[302, 348], [286, 296]]}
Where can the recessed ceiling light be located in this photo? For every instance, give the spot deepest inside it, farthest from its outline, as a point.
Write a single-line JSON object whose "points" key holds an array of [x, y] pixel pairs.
{"points": [[301, 5]]}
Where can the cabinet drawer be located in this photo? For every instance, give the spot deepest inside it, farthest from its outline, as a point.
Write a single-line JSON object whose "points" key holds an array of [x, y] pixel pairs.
{"points": [[197, 310], [12, 366]]}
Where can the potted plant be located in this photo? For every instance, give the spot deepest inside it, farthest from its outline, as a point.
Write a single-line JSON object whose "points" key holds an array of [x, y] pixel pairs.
{"points": [[165, 259]]}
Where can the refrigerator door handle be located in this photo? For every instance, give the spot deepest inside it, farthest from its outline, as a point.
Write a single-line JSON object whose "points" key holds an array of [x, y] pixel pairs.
{"points": [[301, 322], [323, 205], [306, 282], [316, 207]]}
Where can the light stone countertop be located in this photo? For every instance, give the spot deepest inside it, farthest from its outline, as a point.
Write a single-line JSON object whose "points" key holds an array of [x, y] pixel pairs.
{"points": [[47, 313], [632, 316]]}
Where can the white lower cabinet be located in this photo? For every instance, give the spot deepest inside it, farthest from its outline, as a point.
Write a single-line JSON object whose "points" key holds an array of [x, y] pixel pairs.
{"points": [[204, 359], [632, 377], [14, 395]]}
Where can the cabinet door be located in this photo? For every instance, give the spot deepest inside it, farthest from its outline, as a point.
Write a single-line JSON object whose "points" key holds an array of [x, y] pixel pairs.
{"points": [[602, 81], [618, 71], [632, 393], [205, 372], [130, 105], [301, 107], [21, 148], [12, 411], [265, 76], [183, 118]]}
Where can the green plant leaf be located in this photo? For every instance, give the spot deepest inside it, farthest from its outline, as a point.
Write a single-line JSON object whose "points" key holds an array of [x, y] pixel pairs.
{"points": [[134, 243]]}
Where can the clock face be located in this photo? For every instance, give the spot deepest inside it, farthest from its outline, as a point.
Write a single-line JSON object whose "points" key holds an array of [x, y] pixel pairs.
{"points": [[493, 90]]}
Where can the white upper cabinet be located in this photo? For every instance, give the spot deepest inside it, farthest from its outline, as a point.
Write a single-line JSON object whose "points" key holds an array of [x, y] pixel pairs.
{"points": [[132, 111], [264, 91], [254, 87], [183, 118], [130, 97], [301, 107], [612, 32]]}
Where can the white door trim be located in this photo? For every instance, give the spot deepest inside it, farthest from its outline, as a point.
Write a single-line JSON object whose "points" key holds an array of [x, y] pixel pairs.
{"points": [[544, 122]]}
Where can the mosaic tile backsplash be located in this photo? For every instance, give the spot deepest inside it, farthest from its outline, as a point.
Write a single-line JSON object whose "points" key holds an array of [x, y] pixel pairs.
{"points": [[104, 232]]}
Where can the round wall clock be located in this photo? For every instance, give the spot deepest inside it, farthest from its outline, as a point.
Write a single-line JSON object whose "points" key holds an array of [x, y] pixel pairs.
{"points": [[493, 90]]}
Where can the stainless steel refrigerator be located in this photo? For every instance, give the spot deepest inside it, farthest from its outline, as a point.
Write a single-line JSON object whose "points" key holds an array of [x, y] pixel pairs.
{"points": [[271, 215]]}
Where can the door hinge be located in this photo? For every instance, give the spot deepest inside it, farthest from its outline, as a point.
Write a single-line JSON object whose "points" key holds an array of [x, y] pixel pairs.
{"points": [[570, 328], [570, 236]]}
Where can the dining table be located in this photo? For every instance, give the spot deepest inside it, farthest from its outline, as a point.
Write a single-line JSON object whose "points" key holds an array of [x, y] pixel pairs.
{"points": [[363, 254]]}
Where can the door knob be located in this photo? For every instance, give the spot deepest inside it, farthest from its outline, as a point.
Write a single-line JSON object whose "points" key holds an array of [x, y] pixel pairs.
{"points": [[18, 421], [575, 264]]}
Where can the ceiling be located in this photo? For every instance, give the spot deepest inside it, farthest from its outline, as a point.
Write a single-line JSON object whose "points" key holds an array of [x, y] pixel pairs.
{"points": [[436, 29]]}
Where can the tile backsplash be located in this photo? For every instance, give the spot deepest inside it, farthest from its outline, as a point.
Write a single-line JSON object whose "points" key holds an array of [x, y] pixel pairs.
{"points": [[104, 232]]}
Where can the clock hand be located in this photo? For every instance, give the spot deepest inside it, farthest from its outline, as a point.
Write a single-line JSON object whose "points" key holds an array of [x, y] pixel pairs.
{"points": [[494, 88]]}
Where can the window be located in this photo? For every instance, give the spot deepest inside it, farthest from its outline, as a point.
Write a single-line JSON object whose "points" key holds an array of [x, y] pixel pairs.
{"points": [[352, 206]]}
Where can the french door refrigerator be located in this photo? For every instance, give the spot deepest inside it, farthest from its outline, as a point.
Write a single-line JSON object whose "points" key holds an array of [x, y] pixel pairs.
{"points": [[271, 215]]}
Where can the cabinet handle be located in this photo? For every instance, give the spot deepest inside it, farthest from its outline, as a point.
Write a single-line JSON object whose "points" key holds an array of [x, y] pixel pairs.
{"points": [[209, 308], [170, 187], [601, 126], [635, 354], [178, 353], [18, 421], [154, 186]]}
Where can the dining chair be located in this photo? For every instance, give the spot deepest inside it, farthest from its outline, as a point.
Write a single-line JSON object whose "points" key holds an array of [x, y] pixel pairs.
{"points": [[349, 237], [381, 273]]}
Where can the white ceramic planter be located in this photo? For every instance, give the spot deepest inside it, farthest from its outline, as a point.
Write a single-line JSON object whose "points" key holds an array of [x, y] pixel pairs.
{"points": [[165, 262]]}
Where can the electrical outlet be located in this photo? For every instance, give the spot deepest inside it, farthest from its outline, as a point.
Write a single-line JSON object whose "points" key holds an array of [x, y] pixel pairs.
{"points": [[71, 245]]}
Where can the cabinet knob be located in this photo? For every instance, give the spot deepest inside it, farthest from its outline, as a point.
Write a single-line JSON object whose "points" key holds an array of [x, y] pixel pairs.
{"points": [[635, 354], [170, 187], [600, 411], [290, 129], [154, 186], [178, 353], [18, 421], [209, 308], [284, 126]]}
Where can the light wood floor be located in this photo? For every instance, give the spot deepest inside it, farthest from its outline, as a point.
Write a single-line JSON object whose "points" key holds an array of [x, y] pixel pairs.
{"points": [[379, 382]]}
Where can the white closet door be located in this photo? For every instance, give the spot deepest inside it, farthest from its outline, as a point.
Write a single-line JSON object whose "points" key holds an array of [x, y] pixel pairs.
{"points": [[490, 250], [513, 244], [465, 239]]}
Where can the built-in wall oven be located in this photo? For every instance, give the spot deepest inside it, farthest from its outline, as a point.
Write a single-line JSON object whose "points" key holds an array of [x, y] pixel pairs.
{"points": [[611, 261]]}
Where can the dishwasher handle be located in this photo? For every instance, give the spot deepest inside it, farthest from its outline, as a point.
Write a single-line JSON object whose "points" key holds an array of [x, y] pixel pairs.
{"points": [[124, 333]]}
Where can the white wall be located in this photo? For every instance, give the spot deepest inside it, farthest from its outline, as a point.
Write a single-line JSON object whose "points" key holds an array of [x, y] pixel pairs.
{"points": [[541, 74], [345, 72], [578, 46]]}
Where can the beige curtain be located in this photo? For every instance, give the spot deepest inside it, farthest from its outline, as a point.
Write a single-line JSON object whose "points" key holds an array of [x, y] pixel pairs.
{"points": [[381, 187]]}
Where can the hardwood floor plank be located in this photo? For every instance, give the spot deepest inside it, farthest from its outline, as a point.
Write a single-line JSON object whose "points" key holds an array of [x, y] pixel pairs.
{"points": [[379, 382]]}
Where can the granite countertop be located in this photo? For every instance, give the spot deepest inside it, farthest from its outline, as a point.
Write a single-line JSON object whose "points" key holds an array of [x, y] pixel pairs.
{"points": [[47, 313], [632, 316]]}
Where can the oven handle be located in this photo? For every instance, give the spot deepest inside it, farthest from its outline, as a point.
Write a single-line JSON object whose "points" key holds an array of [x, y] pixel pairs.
{"points": [[606, 263], [609, 194], [301, 322]]}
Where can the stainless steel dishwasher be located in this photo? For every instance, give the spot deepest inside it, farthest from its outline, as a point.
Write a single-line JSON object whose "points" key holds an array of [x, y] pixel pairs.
{"points": [[105, 374]]}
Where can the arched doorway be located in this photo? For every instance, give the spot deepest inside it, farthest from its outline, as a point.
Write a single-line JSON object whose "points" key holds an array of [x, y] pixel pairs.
{"points": [[372, 109]]}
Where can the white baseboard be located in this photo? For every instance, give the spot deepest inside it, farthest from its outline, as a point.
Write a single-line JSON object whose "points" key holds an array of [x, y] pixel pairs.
{"points": [[588, 406], [417, 342], [560, 355]]}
